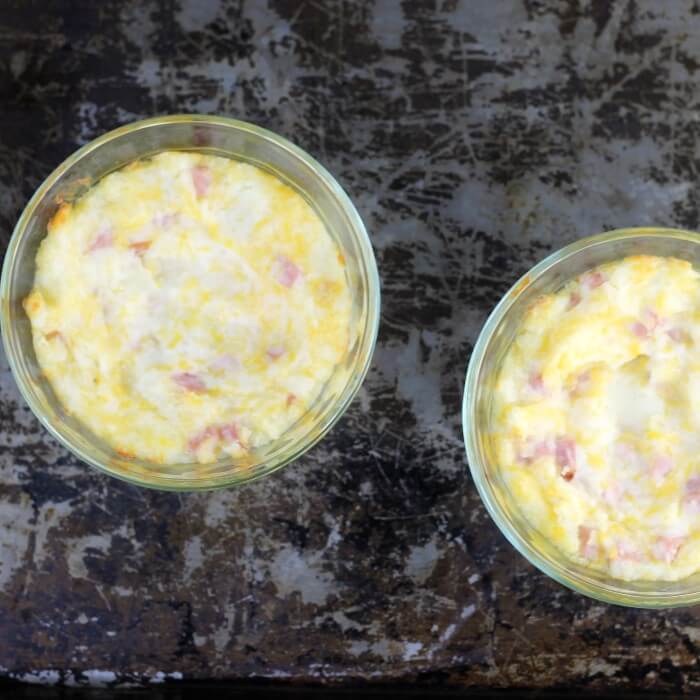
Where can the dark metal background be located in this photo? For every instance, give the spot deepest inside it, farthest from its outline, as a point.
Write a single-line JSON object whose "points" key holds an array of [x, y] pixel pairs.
{"points": [[475, 136]]}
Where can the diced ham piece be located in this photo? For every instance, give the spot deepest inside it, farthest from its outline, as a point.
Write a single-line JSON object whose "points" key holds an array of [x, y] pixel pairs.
{"points": [[291, 398], [628, 551], [678, 335], [565, 457], [219, 433], [201, 179], [229, 433], [226, 362], [587, 546], [592, 279], [286, 272], [104, 239], [666, 548], [574, 300], [536, 383], [691, 497], [53, 335], [200, 438], [581, 383], [189, 381], [650, 322], [531, 450], [543, 449], [140, 247], [274, 352], [660, 467], [640, 330]]}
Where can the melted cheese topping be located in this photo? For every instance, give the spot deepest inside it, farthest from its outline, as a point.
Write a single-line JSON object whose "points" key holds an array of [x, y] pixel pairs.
{"points": [[188, 307], [597, 418]]}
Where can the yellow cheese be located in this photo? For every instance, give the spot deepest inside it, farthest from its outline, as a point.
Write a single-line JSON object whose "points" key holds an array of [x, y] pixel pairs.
{"points": [[188, 307], [597, 418]]}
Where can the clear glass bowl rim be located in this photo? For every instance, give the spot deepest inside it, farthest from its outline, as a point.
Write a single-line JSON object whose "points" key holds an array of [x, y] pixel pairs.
{"points": [[614, 593], [370, 330]]}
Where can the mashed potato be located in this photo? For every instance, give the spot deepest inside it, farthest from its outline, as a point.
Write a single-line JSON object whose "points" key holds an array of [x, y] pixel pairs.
{"points": [[597, 418], [188, 307]]}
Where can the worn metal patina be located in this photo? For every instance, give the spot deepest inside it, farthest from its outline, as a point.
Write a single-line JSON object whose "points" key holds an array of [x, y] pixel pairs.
{"points": [[475, 136]]}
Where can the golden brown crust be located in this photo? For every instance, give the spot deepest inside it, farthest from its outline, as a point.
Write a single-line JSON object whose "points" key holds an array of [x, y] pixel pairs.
{"points": [[60, 216]]}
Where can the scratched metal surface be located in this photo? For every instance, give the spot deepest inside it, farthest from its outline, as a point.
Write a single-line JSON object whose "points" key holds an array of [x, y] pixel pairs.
{"points": [[474, 136]]}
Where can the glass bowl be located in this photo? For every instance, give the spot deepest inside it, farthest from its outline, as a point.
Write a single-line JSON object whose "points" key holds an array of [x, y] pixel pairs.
{"points": [[215, 136], [493, 343]]}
